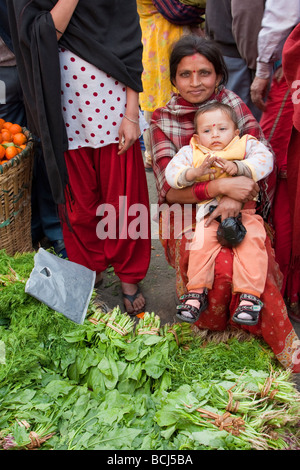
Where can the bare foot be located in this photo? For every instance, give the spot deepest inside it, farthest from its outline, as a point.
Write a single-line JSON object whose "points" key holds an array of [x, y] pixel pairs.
{"points": [[138, 301]]}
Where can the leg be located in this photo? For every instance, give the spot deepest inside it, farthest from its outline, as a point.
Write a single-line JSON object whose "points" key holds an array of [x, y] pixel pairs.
{"points": [[82, 244], [239, 81], [250, 272], [124, 189], [203, 251]]}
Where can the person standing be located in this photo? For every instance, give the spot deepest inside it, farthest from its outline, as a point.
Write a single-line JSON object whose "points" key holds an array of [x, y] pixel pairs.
{"points": [[273, 95], [234, 26], [85, 60], [45, 221]]}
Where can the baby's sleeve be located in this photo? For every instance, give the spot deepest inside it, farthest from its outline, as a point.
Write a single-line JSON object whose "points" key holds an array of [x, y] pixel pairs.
{"points": [[259, 159], [177, 167]]}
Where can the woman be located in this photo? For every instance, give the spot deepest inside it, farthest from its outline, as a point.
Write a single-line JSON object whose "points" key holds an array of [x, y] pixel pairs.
{"points": [[198, 72], [80, 67], [158, 34]]}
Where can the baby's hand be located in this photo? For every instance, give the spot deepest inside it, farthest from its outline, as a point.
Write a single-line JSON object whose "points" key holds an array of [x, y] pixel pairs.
{"points": [[227, 166], [206, 166]]}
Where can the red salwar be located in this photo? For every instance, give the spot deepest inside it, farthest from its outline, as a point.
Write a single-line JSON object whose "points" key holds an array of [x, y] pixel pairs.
{"points": [[274, 325], [109, 214]]}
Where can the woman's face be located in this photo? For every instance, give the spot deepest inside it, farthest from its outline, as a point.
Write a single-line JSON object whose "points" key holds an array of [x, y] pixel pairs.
{"points": [[196, 78]]}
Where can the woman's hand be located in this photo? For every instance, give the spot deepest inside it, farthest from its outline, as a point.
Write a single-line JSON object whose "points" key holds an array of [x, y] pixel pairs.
{"points": [[61, 14], [258, 92], [129, 132], [240, 188], [227, 207]]}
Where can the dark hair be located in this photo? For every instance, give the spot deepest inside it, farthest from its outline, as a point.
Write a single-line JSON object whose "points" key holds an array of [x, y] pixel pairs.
{"points": [[211, 106], [191, 44]]}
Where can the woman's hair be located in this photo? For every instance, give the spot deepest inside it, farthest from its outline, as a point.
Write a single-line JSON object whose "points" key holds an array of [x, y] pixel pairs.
{"points": [[212, 106], [191, 44]]}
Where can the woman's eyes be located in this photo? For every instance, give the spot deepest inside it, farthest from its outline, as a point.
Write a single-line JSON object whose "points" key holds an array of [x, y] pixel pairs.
{"points": [[202, 73]]}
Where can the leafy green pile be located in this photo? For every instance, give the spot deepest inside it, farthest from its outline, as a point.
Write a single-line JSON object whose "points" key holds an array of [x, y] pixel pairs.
{"points": [[114, 384]]}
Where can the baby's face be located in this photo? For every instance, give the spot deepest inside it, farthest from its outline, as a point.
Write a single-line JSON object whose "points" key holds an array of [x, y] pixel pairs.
{"points": [[215, 129]]}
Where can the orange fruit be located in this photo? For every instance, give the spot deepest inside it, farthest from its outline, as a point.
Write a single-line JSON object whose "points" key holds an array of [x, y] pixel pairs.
{"points": [[3, 161], [15, 128], [2, 152], [6, 125], [11, 152], [1, 138], [19, 138], [6, 135], [1, 123]]}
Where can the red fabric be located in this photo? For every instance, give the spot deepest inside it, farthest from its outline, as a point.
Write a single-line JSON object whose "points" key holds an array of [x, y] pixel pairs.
{"points": [[99, 176], [291, 68], [279, 103], [274, 325]]}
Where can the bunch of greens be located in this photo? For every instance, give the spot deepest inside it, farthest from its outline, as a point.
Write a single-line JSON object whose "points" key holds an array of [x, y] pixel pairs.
{"points": [[114, 384]]}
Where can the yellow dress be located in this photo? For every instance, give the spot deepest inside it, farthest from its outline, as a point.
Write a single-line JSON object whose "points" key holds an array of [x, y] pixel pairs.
{"points": [[158, 35]]}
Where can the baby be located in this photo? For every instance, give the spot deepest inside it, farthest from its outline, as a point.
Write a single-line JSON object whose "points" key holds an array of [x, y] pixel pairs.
{"points": [[217, 151]]}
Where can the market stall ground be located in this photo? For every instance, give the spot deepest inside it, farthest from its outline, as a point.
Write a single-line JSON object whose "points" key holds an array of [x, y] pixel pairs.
{"points": [[159, 285]]}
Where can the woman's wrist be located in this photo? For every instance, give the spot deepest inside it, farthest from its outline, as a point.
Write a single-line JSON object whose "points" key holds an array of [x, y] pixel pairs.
{"points": [[200, 191], [132, 105]]}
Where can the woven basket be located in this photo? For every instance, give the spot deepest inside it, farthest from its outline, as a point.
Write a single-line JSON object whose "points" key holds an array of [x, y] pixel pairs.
{"points": [[15, 201]]}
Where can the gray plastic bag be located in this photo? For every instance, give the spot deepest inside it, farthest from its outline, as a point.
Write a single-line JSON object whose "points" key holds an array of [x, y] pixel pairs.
{"points": [[62, 285]]}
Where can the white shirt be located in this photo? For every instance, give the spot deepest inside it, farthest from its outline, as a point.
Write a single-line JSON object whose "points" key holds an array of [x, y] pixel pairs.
{"points": [[93, 103], [280, 17]]}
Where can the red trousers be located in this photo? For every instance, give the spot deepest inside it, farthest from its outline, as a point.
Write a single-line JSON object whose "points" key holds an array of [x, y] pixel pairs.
{"points": [[249, 263], [109, 214]]}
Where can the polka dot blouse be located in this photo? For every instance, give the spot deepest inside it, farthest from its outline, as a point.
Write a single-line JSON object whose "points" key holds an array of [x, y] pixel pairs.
{"points": [[93, 103]]}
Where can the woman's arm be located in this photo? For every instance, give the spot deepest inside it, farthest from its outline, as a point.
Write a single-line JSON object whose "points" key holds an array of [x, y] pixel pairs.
{"points": [[61, 14], [129, 130], [239, 188]]}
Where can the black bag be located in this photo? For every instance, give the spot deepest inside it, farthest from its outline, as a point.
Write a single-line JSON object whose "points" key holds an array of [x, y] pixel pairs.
{"points": [[231, 232]]}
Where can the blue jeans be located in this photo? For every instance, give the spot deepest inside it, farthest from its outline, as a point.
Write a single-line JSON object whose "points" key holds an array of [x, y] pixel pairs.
{"points": [[45, 220]]}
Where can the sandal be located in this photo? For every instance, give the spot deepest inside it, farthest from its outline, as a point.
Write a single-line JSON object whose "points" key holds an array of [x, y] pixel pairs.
{"points": [[131, 298], [194, 311], [252, 310]]}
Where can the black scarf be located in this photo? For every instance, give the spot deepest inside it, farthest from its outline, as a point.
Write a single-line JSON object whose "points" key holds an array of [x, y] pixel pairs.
{"points": [[105, 33]]}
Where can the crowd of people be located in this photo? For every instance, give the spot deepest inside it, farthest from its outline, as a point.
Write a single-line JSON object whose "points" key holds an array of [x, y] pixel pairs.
{"points": [[96, 77]]}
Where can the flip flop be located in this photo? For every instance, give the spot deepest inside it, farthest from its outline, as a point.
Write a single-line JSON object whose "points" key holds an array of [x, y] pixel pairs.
{"points": [[131, 298]]}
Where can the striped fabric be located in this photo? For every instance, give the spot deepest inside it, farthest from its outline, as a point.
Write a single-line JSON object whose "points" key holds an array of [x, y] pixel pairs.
{"points": [[177, 13]]}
